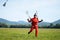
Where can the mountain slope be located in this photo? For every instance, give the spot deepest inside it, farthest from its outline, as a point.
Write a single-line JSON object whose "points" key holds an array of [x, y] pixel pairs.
{"points": [[26, 23], [21, 22], [44, 24], [56, 22], [7, 22]]}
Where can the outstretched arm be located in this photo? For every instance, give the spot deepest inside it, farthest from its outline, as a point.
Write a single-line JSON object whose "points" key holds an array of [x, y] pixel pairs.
{"points": [[41, 21], [29, 20]]}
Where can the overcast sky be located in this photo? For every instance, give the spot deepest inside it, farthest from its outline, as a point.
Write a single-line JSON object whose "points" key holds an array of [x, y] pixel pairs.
{"points": [[15, 10]]}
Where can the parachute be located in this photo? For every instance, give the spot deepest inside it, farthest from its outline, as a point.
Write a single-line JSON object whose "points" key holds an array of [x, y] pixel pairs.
{"points": [[5, 3]]}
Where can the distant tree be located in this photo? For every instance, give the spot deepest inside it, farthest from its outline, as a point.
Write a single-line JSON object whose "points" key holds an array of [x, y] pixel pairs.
{"points": [[20, 26], [50, 26], [3, 25], [57, 26]]}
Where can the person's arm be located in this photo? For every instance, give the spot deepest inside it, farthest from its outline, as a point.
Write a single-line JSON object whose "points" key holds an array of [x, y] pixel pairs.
{"points": [[41, 21], [29, 20]]}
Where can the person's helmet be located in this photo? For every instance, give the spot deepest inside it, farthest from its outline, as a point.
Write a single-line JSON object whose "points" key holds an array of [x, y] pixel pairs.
{"points": [[35, 14]]}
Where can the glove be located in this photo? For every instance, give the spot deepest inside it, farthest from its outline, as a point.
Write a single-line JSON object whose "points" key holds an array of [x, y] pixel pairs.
{"points": [[41, 20]]}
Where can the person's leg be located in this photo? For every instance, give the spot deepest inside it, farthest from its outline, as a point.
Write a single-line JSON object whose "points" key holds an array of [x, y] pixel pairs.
{"points": [[36, 31], [31, 30]]}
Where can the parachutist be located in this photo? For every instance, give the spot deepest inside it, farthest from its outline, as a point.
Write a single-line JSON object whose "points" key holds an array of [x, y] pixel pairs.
{"points": [[4, 4], [34, 22]]}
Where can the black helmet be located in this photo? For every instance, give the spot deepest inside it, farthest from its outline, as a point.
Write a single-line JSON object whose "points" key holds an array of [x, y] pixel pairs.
{"points": [[35, 14]]}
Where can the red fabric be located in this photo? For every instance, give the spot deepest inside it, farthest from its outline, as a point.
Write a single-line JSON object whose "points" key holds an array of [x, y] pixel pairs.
{"points": [[34, 25], [34, 21]]}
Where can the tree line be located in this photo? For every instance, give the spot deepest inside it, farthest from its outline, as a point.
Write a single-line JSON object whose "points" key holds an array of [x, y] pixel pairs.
{"points": [[3, 25]]}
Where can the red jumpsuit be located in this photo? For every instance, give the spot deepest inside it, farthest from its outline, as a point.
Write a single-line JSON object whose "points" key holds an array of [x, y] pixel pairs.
{"points": [[34, 25]]}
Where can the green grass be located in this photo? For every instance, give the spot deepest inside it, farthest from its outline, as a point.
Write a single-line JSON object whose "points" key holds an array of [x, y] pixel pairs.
{"points": [[22, 34]]}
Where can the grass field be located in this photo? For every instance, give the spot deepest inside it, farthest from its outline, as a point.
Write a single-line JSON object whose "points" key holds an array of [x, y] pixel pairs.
{"points": [[22, 34]]}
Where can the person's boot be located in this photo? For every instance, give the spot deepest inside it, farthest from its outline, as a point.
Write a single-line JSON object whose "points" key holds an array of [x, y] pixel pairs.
{"points": [[28, 32]]}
